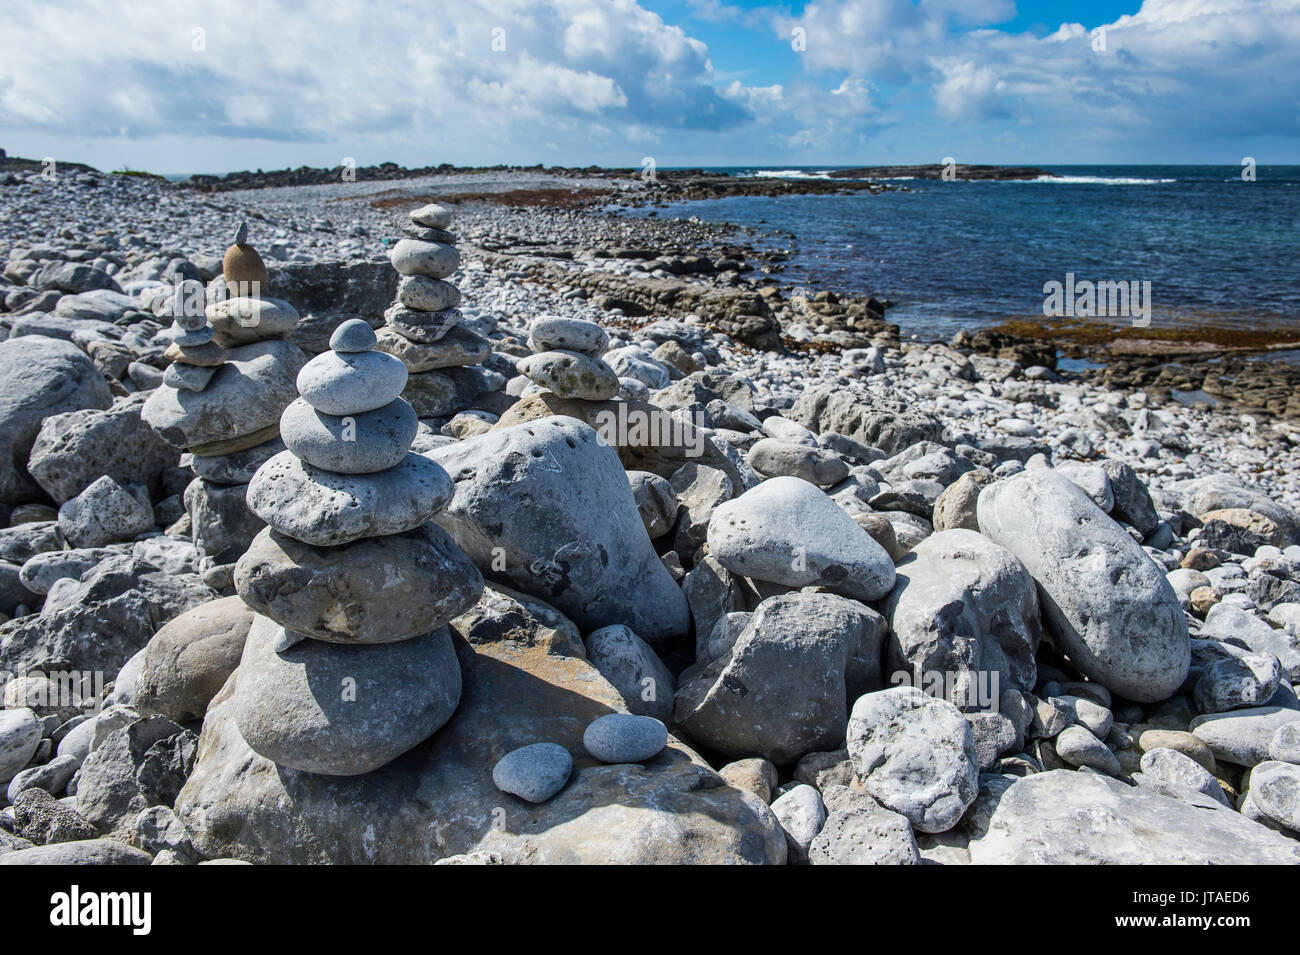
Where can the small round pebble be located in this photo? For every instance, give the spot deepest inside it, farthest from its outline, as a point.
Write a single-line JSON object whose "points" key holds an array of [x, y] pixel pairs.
{"points": [[352, 336], [624, 738], [536, 772]]}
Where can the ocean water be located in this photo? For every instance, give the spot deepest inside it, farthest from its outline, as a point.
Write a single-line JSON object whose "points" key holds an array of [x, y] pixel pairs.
{"points": [[950, 255]]}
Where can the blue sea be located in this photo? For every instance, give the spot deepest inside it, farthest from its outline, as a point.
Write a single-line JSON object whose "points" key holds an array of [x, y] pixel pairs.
{"points": [[963, 254]]}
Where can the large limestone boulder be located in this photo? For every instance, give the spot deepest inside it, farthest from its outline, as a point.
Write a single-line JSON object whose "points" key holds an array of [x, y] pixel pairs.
{"points": [[1069, 818], [787, 531], [964, 606], [189, 660], [547, 508], [1104, 599], [784, 688], [76, 448], [520, 686], [39, 377], [915, 754], [243, 400]]}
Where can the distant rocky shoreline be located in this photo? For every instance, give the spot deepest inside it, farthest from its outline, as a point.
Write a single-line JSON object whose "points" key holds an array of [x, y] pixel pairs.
{"points": [[740, 272]]}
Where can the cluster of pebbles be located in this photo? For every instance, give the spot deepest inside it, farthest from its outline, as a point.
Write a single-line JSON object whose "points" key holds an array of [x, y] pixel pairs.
{"points": [[349, 663]]}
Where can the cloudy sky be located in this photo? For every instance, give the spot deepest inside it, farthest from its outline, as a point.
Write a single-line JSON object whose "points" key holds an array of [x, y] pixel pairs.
{"points": [[176, 86]]}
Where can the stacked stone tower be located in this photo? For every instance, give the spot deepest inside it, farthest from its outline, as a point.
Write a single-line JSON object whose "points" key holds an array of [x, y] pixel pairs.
{"points": [[424, 327], [349, 662], [231, 376], [566, 359]]}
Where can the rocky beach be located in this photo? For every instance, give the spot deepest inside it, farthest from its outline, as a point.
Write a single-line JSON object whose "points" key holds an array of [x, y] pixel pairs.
{"points": [[457, 516]]}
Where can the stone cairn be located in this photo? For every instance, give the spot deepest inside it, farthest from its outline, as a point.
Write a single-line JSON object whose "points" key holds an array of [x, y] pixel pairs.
{"points": [[566, 359], [349, 662], [424, 326], [231, 374]]}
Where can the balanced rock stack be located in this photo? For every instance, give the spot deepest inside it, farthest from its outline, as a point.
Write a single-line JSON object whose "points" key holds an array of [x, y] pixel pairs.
{"points": [[423, 327], [231, 376], [349, 662], [566, 359]]}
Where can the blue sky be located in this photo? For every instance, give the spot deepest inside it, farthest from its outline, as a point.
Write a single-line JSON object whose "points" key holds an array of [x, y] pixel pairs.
{"points": [[184, 86]]}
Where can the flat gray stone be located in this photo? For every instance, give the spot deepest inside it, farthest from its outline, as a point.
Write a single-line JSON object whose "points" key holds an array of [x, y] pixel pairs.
{"points": [[238, 467], [342, 383], [1242, 736], [1069, 818], [424, 294], [456, 348], [427, 327], [322, 508], [1175, 768], [362, 443], [188, 377], [553, 333], [241, 320], [373, 590], [437, 260], [81, 852], [431, 216]]}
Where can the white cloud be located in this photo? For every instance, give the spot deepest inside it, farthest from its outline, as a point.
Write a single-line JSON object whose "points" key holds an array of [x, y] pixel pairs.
{"points": [[607, 80], [322, 70], [967, 90], [1182, 69]]}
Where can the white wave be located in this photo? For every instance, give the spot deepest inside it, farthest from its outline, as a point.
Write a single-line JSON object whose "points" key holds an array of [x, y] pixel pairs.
{"points": [[789, 174], [1099, 180]]}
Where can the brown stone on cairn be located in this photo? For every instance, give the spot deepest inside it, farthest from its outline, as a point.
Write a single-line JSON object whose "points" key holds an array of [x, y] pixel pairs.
{"points": [[242, 265], [207, 355]]}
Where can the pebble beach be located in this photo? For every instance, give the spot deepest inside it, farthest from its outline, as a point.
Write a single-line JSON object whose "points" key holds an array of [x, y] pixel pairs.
{"points": [[497, 526]]}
